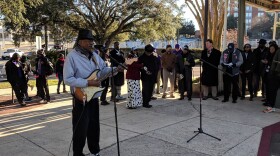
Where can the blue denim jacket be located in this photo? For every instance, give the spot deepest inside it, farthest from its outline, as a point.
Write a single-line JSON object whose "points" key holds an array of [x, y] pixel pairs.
{"points": [[78, 67]]}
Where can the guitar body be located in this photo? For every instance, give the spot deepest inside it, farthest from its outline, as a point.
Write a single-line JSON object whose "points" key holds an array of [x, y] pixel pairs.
{"points": [[85, 94]]}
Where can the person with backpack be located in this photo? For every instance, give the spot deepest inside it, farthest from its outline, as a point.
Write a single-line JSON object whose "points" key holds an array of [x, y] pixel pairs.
{"points": [[43, 68], [59, 72]]}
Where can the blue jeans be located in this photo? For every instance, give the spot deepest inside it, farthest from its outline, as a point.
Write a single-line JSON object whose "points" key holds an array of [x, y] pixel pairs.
{"points": [[60, 79]]}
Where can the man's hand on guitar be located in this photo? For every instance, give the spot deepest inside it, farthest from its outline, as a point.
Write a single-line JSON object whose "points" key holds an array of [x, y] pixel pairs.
{"points": [[95, 83]]}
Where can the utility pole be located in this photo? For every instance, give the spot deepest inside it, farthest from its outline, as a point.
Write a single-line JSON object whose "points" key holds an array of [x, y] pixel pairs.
{"points": [[241, 23], [275, 25], [206, 12], [178, 35], [225, 27], [45, 21]]}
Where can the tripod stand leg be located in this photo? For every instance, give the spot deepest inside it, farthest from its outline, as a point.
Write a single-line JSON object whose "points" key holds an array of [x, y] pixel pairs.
{"points": [[212, 136], [193, 137]]}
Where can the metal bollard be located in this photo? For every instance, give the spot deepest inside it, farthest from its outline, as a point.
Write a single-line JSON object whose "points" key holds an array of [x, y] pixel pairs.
{"points": [[13, 100]]}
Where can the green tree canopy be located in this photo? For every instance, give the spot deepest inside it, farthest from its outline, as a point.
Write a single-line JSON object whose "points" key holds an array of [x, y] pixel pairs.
{"points": [[14, 11], [109, 20], [262, 27], [188, 28]]}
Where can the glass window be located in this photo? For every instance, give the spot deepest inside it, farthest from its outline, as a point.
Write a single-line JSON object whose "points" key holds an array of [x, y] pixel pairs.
{"points": [[260, 14], [11, 50], [248, 15]]}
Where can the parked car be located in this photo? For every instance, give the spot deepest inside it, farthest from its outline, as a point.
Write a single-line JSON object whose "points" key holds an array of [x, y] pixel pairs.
{"points": [[10, 52], [29, 54], [58, 46]]}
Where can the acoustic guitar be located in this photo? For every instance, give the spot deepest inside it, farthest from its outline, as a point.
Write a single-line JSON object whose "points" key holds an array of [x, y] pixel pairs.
{"points": [[85, 94]]}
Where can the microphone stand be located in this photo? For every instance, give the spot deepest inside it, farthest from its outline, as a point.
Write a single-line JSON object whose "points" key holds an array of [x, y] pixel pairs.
{"points": [[114, 99], [200, 130]]}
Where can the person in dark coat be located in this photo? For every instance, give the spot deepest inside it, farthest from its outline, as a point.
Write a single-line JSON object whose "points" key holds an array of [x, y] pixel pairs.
{"points": [[273, 83], [157, 86], [260, 54], [26, 66], [267, 74], [104, 53], [59, 72], [209, 77], [185, 62], [177, 51], [231, 60], [246, 70], [118, 55], [148, 74], [16, 78], [41, 65]]}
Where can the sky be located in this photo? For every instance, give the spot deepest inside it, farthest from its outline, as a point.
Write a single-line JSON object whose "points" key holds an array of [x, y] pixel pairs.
{"points": [[188, 14]]}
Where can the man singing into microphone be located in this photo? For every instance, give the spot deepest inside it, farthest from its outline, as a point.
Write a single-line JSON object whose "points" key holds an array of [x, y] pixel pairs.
{"points": [[79, 64]]}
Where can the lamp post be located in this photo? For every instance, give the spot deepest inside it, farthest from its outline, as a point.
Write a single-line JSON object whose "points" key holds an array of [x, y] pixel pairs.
{"points": [[3, 37], [45, 21], [3, 34]]}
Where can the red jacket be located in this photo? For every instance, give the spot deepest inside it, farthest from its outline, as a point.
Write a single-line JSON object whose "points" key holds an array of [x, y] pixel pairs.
{"points": [[133, 71]]}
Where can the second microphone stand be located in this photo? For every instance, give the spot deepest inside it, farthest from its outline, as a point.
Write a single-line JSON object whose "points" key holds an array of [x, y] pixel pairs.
{"points": [[200, 130], [114, 99]]}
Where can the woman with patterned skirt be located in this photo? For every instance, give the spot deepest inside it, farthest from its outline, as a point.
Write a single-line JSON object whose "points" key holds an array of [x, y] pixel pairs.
{"points": [[133, 83]]}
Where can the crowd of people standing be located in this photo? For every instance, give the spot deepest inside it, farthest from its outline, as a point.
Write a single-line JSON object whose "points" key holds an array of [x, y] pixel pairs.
{"points": [[257, 69], [19, 69], [144, 75]]}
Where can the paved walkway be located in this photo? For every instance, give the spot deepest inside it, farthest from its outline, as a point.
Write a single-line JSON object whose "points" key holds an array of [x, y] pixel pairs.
{"points": [[163, 130]]}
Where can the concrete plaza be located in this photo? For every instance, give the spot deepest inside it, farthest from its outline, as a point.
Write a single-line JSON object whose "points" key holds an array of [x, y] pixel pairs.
{"points": [[163, 130]]}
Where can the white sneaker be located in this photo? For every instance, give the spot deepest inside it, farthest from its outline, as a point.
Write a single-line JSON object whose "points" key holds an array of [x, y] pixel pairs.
{"points": [[43, 101], [94, 154], [269, 110]]}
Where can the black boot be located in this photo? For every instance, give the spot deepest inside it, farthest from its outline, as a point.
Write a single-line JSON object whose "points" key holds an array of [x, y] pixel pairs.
{"points": [[58, 91]]}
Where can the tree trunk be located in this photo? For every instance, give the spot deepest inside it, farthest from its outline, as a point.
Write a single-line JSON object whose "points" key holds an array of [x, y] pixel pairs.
{"points": [[215, 18]]}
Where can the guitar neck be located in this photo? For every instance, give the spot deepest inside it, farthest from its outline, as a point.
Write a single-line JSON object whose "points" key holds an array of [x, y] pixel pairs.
{"points": [[115, 70]]}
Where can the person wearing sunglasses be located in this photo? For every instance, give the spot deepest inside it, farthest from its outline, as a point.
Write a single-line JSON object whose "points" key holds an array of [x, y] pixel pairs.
{"points": [[246, 70]]}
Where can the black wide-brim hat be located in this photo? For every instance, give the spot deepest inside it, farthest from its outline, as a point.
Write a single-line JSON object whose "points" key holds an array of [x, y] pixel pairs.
{"points": [[262, 41], [85, 34]]}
